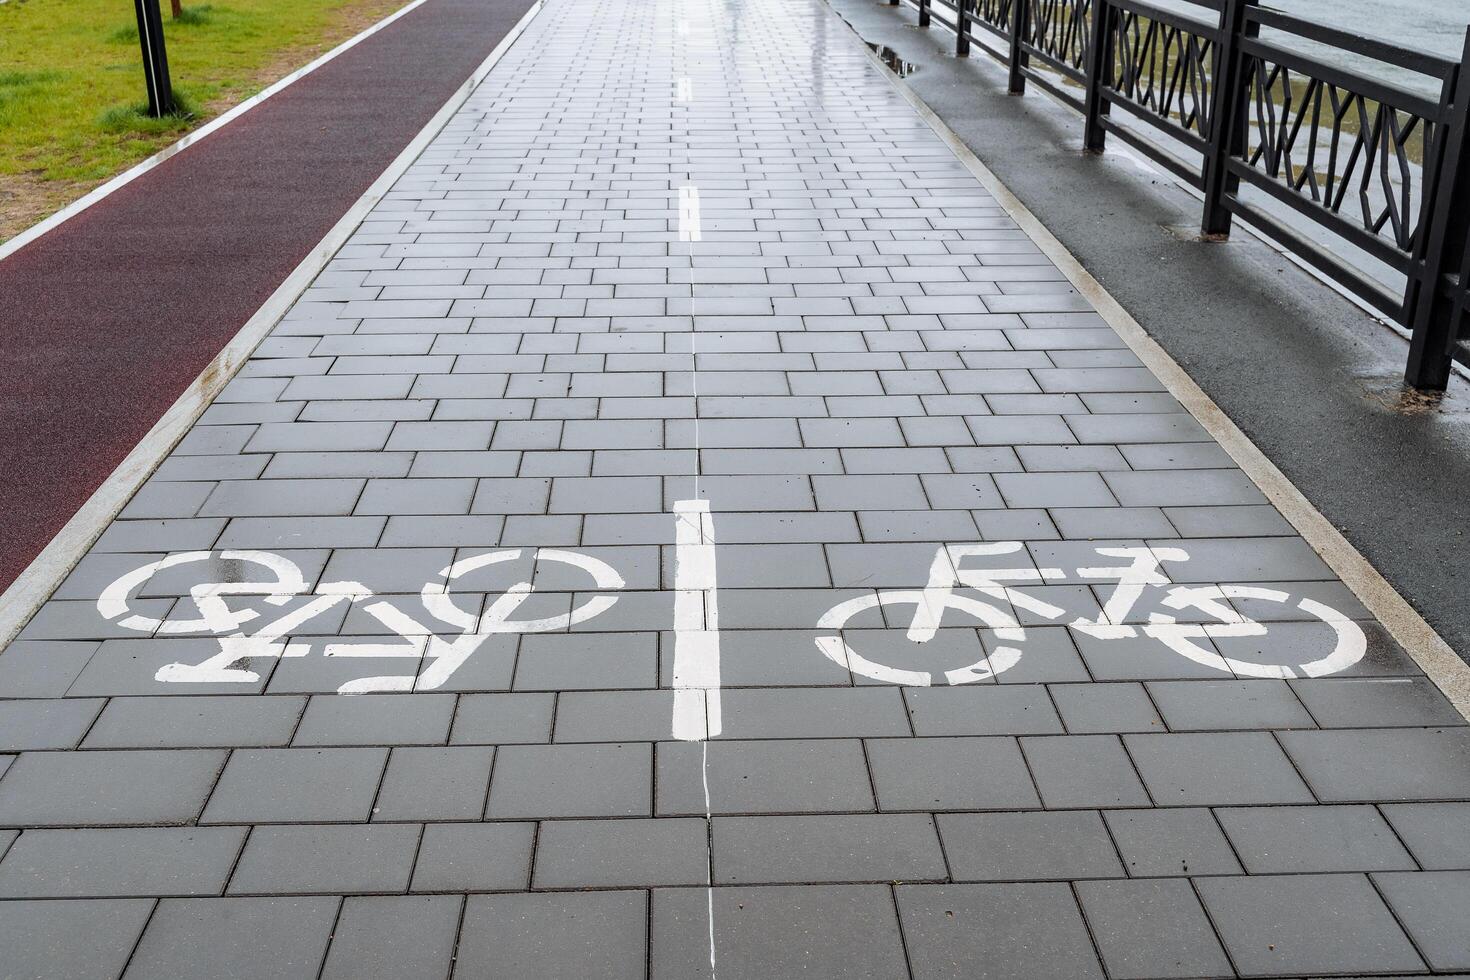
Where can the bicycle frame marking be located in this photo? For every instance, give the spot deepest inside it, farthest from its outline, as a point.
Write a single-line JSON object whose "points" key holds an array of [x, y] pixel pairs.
{"points": [[1141, 572]]}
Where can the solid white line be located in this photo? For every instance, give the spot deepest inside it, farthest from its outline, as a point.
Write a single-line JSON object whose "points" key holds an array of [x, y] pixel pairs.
{"points": [[50, 567], [98, 193], [697, 711], [1429, 650]]}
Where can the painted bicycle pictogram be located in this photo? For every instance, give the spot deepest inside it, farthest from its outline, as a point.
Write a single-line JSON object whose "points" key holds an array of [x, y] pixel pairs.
{"points": [[248, 633], [1210, 615]]}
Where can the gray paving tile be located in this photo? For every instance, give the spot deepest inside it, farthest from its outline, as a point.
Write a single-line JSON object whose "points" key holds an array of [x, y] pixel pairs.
{"points": [[530, 781], [819, 849], [984, 932], [1383, 764], [473, 857], [1097, 708], [432, 783], [122, 862], [1151, 929], [1431, 908], [260, 938], [599, 661], [202, 722], [596, 716], [494, 719], [1173, 842], [777, 776], [950, 774], [1229, 769], [1283, 840], [1306, 925], [42, 668], [1375, 702], [26, 725], [622, 853], [60, 789], [828, 712], [1083, 771], [1219, 705], [553, 935], [40, 940], [981, 709], [376, 719], [1028, 846], [1438, 834], [333, 859], [296, 785], [819, 930], [388, 937]]}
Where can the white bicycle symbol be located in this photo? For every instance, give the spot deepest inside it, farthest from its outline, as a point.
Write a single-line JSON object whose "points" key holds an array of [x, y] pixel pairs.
{"points": [[280, 580], [1216, 618]]}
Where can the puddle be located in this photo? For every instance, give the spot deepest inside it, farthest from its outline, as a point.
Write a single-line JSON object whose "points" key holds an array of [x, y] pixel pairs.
{"points": [[890, 57]]}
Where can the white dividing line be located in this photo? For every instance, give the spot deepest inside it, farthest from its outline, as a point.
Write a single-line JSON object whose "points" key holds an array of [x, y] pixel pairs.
{"points": [[697, 714], [41, 577], [689, 223], [1429, 650], [128, 176]]}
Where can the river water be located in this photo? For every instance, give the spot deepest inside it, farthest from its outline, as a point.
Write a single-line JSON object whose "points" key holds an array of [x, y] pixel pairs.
{"points": [[1433, 26]]}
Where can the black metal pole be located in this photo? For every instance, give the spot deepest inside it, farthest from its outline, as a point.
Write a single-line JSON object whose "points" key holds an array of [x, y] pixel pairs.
{"points": [[1442, 244], [924, 13], [1020, 27], [155, 58], [1229, 109], [1099, 76], [962, 22]]}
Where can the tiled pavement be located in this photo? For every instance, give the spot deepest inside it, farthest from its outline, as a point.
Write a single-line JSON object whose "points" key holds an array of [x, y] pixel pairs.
{"points": [[454, 469]]}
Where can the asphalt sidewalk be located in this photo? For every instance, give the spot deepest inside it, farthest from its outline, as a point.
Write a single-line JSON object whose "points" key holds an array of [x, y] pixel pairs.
{"points": [[691, 530], [107, 319]]}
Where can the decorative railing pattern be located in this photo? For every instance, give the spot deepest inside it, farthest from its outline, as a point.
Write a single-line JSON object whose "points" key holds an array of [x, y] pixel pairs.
{"points": [[1382, 167], [1164, 69]]}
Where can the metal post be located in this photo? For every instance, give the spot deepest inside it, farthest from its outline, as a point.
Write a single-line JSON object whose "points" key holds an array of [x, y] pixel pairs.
{"points": [[924, 13], [1020, 27], [1229, 116], [1443, 242], [155, 58], [1099, 75], [962, 23]]}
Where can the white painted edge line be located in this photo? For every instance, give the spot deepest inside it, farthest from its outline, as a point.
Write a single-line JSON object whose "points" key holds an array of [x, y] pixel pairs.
{"points": [[1429, 650], [133, 173], [47, 571]]}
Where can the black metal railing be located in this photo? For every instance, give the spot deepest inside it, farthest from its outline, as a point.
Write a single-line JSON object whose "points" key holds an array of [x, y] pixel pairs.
{"points": [[1367, 180]]}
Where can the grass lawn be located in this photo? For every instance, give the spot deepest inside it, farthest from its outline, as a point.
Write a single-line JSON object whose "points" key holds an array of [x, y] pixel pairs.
{"points": [[72, 101]]}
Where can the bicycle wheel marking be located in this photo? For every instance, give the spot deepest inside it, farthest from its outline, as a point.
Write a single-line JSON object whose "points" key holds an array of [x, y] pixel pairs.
{"points": [[439, 656], [1191, 639], [697, 712]]}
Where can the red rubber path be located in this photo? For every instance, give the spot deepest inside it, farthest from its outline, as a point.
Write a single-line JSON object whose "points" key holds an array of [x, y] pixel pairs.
{"points": [[107, 319]]}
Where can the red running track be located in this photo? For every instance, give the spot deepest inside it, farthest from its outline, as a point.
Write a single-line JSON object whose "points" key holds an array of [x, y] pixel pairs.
{"points": [[108, 318]]}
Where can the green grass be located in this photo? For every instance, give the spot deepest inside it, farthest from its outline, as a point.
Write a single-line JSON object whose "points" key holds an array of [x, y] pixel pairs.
{"points": [[72, 82]]}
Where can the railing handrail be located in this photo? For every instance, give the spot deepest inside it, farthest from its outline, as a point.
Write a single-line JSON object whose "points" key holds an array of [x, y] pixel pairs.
{"points": [[1256, 110]]}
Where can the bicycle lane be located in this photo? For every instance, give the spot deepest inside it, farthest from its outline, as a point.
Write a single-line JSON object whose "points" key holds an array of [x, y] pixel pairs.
{"points": [[956, 736]]}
